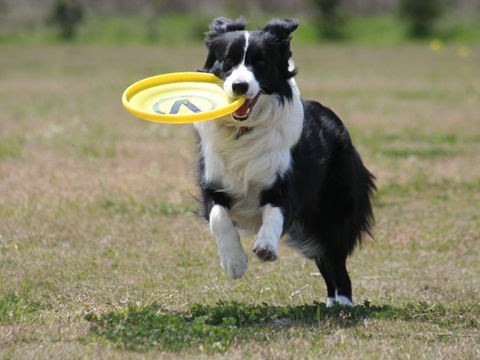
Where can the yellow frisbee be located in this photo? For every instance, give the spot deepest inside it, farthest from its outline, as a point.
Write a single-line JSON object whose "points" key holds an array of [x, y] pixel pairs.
{"points": [[179, 98]]}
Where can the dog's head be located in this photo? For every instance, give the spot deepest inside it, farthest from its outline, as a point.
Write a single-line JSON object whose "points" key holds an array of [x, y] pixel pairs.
{"points": [[252, 63]]}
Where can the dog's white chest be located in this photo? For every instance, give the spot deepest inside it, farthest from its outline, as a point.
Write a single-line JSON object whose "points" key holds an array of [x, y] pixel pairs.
{"points": [[244, 167], [254, 160]]}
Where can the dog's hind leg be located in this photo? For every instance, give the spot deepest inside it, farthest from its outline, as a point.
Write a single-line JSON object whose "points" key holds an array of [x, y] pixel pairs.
{"points": [[232, 256], [326, 271], [335, 274], [343, 285]]}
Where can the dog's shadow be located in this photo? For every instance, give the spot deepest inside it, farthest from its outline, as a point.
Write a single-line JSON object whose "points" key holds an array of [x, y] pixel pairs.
{"points": [[216, 327]]}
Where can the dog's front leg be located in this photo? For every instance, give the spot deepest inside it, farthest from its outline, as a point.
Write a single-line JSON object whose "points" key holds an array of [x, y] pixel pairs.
{"points": [[232, 256], [266, 241]]}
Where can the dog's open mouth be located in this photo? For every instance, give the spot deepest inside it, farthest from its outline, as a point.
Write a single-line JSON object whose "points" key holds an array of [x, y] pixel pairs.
{"points": [[243, 111]]}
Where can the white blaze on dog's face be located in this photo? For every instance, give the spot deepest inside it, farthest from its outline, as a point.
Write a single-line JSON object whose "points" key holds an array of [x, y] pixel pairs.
{"points": [[241, 80], [251, 63]]}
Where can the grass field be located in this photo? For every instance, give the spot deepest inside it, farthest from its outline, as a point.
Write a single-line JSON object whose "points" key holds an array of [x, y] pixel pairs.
{"points": [[101, 257]]}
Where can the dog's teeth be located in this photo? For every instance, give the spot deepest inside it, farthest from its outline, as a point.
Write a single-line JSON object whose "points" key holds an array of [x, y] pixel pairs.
{"points": [[241, 117]]}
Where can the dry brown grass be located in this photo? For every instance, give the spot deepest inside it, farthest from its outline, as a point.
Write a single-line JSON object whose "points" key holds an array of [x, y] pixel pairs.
{"points": [[95, 209]]}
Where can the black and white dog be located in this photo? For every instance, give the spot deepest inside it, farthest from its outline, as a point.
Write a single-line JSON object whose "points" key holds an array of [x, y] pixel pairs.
{"points": [[279, 164]]}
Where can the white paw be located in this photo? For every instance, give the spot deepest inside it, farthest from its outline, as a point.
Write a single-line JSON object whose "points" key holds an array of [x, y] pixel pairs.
{"points": [[343, 300], [232, 256], [234, 263], [330, 302], [265, 248], [339, 299]]}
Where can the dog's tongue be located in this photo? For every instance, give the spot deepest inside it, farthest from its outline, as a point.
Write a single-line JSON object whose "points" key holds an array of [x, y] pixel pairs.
{"points": [[243, 110]]}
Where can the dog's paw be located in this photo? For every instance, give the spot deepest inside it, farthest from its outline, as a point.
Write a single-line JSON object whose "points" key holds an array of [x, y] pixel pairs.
{"points": [[265, 249], [340, 300], [343, 300], [330, 302], [234, 264]]}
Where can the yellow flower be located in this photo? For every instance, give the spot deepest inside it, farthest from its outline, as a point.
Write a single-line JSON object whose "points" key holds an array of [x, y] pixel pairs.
{"points": [[436, 45]]}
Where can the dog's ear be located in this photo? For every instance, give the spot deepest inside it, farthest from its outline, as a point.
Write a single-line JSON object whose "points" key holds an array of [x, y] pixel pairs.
{"points": [[281, 28], [222, 25], [219, 26]]}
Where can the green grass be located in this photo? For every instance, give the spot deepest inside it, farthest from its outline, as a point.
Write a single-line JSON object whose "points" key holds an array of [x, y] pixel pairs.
{"points": [[18, 308], [215, 328], [101, 255]]}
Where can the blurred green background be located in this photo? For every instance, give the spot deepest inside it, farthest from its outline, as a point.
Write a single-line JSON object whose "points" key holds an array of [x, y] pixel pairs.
{"points": [[173, 22]]}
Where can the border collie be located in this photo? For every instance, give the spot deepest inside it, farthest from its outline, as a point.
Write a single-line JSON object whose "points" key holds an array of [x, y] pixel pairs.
{"points": [[279, 164]]}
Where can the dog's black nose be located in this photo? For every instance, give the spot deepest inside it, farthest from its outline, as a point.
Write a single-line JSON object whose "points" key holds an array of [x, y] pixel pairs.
{"points": [[240, 88]]}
